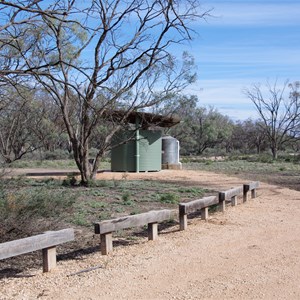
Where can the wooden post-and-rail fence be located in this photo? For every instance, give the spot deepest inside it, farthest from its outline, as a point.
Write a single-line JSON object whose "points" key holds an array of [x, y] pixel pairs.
{"points": [[152, 218], [220, 200], [46, 242]]}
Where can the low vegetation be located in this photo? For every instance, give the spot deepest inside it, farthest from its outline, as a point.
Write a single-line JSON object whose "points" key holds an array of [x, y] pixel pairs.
{"points": [[26, 202], [31, 206], [51, 203], [284, 171]]}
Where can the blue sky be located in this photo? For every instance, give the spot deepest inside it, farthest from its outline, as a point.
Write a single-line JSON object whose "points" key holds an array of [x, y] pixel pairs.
{"points": [[245, 42]]}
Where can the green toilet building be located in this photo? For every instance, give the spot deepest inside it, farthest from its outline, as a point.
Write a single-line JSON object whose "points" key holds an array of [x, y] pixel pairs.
{"points": [[138, 155], [140, 150]]}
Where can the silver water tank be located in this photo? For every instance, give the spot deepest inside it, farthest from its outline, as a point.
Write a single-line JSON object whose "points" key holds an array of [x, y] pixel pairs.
{"points": [[170, 153]]}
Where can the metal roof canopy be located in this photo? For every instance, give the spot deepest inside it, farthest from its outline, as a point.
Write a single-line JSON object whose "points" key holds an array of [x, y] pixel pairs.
{"points": [[146, 119]]}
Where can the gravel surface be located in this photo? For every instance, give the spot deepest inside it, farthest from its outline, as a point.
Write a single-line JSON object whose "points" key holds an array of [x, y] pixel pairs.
{"points": [[252, 251]]}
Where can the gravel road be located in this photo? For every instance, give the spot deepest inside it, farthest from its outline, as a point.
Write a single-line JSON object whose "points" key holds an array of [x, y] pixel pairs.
{"points": [[252, 251]]}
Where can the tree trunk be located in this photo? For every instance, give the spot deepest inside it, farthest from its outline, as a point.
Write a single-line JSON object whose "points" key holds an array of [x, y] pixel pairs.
{"points": [[85, 171], [274, 152], [258, 149], [81, 157]]}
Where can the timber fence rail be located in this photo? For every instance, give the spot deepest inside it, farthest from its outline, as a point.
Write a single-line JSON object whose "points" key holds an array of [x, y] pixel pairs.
{"points": [[204, 203], [229, 195], [46, 242], [251, 187], [152, 218], [193, 206]]}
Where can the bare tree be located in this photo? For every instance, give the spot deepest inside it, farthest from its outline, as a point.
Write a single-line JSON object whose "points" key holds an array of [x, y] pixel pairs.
{"points": [[22, 124], [279, 111], [248, 137], [201, 128], [97, 57]]}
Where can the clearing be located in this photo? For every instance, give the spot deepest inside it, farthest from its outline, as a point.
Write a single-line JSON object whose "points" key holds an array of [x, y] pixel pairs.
{"points": [[252, 251]]}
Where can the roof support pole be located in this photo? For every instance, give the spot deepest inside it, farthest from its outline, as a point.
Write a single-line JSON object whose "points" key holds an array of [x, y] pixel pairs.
{"points": [[137, 145]]}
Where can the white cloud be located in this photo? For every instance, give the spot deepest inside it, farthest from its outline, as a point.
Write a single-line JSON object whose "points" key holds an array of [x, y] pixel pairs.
{"points": [[233, 13], [248, 55], [244, 48], [226, 96]]}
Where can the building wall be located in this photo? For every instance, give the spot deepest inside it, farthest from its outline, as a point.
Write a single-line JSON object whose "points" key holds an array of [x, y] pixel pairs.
{"points": [[123, 157]]}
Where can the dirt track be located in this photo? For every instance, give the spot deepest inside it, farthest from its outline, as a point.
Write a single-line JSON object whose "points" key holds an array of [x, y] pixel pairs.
{"points": [[252, 251]]}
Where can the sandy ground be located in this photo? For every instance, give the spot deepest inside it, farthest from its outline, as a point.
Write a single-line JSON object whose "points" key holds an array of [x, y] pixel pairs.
{"points": [[252, 251]]}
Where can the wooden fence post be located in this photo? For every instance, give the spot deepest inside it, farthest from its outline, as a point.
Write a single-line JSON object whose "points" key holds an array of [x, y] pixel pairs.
{"points": [[234, 201], [49, 259], [106, 243], [245, 192], [182, 221], [252, 186], [152, 231], [204, 213], [222, 203]]}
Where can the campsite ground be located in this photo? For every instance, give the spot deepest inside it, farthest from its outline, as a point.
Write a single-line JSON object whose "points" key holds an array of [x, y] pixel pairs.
{"points": [[252, 251]]}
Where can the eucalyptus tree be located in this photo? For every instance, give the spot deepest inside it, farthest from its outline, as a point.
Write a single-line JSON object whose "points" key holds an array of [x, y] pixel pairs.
{"points": [[210, 128], [279, 111], [96, 57], [185, 108], [201, 127], [248, 137], [22, 124]]}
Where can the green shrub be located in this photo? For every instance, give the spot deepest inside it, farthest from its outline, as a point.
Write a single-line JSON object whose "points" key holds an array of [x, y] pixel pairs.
{"points": [[235, 157], [169, 198], [4, 206], [38, 202], [46, 203], [286, 157], [80, 219], [70, 181], [265, 158], [119, 209], [97, 205], [91, 183], [56, 155], [95, 192], [58, 163], [126, 197], [194, 191], [104, 216], [104, 183]]}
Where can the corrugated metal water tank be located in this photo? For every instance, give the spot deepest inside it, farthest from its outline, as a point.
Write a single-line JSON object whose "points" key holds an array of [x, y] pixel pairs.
{"points": [[124, 157], [170, 153]]}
